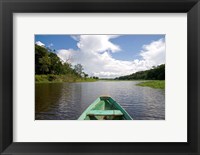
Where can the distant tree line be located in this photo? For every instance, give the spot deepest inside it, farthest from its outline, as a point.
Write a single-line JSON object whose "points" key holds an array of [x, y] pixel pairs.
{"points": [[156, 73], [47, 62]]}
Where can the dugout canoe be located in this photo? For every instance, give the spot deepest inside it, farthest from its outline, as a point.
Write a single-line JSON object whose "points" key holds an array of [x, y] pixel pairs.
{"points": [[105, 108]]}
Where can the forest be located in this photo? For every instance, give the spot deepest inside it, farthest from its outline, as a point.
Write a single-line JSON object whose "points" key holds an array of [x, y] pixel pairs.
{"points": [[50, 68], [155, 73]]}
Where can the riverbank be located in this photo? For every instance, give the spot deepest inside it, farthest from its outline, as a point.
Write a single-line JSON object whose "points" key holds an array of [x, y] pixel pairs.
{"points": [[158, 84], [50, 78]]}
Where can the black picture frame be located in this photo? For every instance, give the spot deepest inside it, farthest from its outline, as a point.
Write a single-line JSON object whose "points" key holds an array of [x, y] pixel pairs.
{"points": [[8, 7]]}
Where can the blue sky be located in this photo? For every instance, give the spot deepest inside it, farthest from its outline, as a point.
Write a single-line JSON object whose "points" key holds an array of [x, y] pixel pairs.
{"points": [[130, 45], [111, 55], [58, 41]]}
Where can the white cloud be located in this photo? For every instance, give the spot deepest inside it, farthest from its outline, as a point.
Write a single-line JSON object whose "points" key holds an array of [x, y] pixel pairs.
{"points": [[75, 37], [97, 43], [39, 43], [50, 45], [154, 53], [94, 54], [65, 55]]}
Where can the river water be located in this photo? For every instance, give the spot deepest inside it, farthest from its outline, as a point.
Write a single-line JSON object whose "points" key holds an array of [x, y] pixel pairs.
{"points": [[66, 101]]}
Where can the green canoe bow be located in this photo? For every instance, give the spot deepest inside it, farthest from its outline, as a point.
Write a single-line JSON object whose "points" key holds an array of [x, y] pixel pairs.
{"points": [[105, 108]]}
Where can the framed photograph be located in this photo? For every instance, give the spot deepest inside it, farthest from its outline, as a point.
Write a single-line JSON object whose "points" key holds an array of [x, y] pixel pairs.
{"points": [[94, 65], [104, 77]]}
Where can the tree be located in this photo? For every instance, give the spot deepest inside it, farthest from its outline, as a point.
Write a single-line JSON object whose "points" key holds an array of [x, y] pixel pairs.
{"points": [[56, 64], [44, 64], [40, 53], [156, 73], [95, 77], [48, 62], [67, 68], [86, 75], [78, 69]]}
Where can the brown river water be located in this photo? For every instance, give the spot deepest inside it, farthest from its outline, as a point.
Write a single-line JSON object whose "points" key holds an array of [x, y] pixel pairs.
{"points": [[66, 101]]}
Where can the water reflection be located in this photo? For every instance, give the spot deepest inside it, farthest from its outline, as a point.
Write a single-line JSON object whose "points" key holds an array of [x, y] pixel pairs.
{"points": [[66, 101]]}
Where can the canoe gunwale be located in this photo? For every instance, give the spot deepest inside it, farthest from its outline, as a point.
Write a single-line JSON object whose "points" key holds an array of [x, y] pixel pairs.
{"points": [[125, 115]]}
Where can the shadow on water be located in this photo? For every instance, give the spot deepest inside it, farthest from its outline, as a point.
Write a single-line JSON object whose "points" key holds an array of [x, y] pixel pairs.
{"points": [[66, 101]]}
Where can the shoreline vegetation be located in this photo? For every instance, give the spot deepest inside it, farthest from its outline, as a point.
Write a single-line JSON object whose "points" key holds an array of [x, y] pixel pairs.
{"points": [[49, 68], [60, 78], [157, 84], [154, 77]]}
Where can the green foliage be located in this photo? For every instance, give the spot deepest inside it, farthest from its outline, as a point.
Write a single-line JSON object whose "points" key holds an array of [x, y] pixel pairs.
{"points": [[160, 84], [94, 77], [49, 68], [44, 62], [56, 66], [156, 73], [78, 69], [41, 78], [61, 78], [85, 75], [47, 62]]}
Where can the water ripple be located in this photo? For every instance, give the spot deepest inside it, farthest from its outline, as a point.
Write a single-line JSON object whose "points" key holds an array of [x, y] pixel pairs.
{"points": [[67, 101]]}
